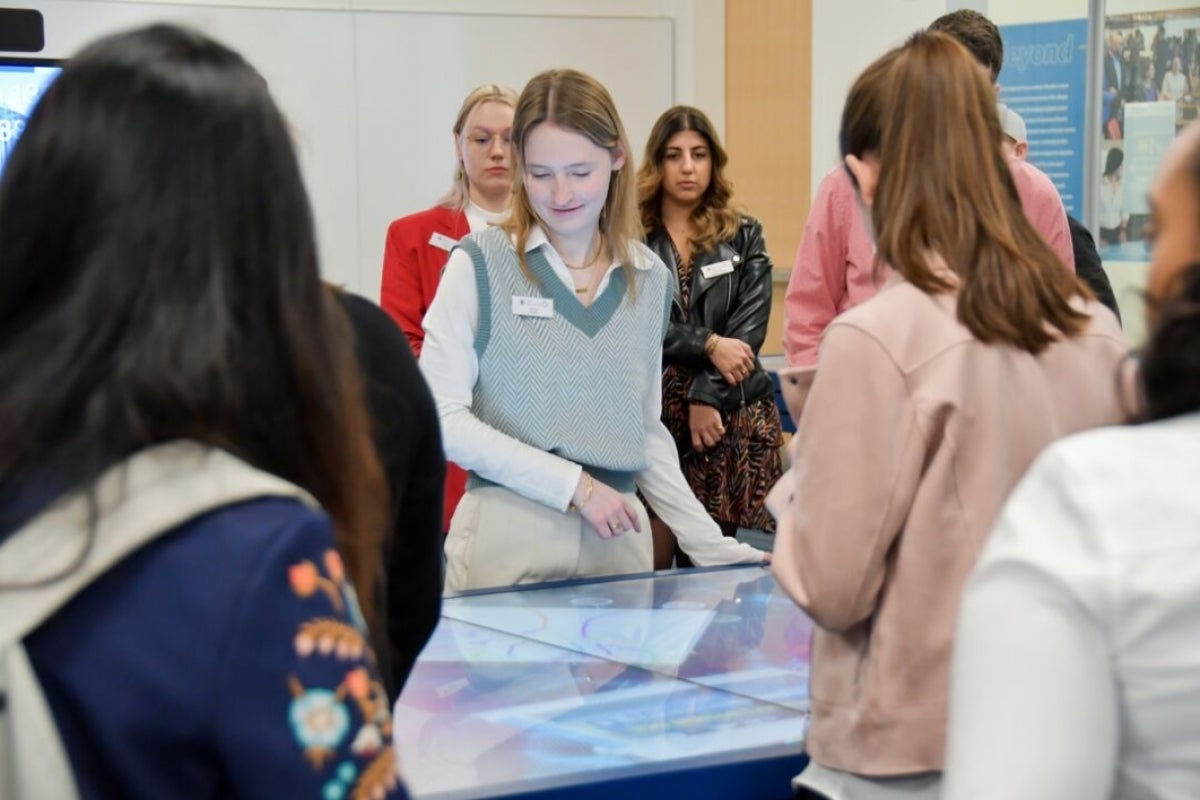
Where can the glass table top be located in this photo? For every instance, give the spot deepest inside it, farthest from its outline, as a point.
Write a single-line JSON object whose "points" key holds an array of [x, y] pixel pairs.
{"points": [[552, 685]]}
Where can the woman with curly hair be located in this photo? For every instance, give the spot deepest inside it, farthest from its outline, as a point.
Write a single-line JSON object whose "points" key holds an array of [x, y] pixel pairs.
{"points": [[718, 402]]}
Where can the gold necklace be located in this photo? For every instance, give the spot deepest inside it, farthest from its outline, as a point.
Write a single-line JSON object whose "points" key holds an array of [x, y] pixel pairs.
{"points": [[588, 265], [590, 284]]}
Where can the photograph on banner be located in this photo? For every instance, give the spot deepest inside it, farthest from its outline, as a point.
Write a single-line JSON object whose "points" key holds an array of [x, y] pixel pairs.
{"points": [[1150, 90]]}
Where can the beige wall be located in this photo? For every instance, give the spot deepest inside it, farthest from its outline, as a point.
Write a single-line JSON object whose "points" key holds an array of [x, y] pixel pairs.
{"points": [[768, 132]]}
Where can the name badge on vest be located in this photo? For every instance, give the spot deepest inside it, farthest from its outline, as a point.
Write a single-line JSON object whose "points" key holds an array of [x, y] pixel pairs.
{"points": [[442, 242], [533, 307], [716, 270]]}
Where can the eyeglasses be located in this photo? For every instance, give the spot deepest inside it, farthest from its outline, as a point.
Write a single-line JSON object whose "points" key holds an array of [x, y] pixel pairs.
{"points": [[485, 142]]}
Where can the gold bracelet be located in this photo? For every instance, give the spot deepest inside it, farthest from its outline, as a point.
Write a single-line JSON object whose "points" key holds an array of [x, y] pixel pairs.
{"points": [[710, 345], [587, 495]]}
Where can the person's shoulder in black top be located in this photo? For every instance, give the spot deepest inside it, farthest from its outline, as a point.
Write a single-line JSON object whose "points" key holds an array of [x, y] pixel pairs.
{"points": [[405, 425], [1089, 267]]}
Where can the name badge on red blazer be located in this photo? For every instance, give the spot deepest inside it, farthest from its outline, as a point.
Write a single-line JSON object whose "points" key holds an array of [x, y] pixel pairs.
{"points": [[442, 242]]}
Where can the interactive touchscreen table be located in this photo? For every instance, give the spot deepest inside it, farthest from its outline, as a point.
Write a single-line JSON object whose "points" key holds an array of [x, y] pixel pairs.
{"points": [[692, 683]]}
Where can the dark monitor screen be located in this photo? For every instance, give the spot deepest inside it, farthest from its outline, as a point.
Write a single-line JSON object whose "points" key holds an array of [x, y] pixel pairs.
{"points": [[22, 82], [555, 687]]}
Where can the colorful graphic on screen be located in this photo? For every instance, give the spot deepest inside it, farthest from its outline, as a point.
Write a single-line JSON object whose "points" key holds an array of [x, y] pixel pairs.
{"points": [[537, 689], [21, 86]]}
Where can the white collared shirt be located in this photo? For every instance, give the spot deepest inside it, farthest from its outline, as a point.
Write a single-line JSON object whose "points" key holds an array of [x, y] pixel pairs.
{"points": [[479, 218], [451, 368]]}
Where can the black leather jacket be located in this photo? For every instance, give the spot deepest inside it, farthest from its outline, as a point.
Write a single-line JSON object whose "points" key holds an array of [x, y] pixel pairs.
{"points": [[735, 304]]}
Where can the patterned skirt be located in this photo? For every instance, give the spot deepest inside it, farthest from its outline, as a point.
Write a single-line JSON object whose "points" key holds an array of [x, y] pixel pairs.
{"points": [[732, 479]]}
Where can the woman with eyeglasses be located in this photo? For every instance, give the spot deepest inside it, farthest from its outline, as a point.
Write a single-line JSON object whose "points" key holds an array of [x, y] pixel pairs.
{"points": [[418, 245]]}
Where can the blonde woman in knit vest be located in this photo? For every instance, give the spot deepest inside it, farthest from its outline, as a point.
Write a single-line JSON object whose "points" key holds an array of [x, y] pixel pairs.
{"points": [[543, 348]]}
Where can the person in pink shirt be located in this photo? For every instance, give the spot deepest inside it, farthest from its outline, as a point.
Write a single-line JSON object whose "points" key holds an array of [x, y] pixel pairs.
{"points": [[835, 265], [834, 268]]}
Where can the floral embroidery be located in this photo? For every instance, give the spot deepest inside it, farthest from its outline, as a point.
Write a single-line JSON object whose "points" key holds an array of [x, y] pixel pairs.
{"points": [[306, 579], [320, 722], [320, 717], [368, 742], [333, 565], [330, 637], [337, 786], [372, 700], [379, 778], [350, 597]]}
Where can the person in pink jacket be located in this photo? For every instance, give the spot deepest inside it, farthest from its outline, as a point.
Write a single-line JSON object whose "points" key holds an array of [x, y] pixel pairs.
{"points": [[930, 402], [835, 265]]}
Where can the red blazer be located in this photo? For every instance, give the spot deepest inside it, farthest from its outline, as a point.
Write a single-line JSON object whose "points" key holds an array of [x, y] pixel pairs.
{"points": [[412, 266]]}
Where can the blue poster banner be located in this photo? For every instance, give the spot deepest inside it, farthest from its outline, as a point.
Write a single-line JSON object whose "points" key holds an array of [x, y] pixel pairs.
{"points": [[1044, 79]]}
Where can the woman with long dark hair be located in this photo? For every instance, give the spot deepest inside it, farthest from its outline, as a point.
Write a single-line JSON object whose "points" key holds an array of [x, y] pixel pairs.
{"points": [[1081, 615], [718, 402], [930, 402], [187, 483]]}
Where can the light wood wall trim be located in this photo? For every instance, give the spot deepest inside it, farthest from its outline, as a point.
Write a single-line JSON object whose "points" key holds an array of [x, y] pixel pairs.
{"points": [[768, 130]]}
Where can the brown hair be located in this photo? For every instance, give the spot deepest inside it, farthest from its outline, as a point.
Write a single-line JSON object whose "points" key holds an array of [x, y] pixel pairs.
{"points": [[714, 219], [952, 194], [977, 33], [579, 103], [862, 116], [460, 191]]}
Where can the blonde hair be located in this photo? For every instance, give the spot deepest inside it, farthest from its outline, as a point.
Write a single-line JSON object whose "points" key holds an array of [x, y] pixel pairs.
{"points": [[715, 219], [460, 190], [579, 103]]}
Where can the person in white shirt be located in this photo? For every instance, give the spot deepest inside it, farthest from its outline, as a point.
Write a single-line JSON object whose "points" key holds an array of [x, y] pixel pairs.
{"points": [[1076, 668], [1113, 219], [1174, 83], [543, 348]]}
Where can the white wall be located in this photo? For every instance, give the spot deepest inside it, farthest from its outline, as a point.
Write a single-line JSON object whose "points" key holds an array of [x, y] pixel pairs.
{"points": [[326, 62], [404, 144], [1021, 12], [847, 36]]}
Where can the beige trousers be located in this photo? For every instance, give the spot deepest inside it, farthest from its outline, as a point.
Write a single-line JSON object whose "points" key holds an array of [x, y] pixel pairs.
{"points": [[499, 538]]}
